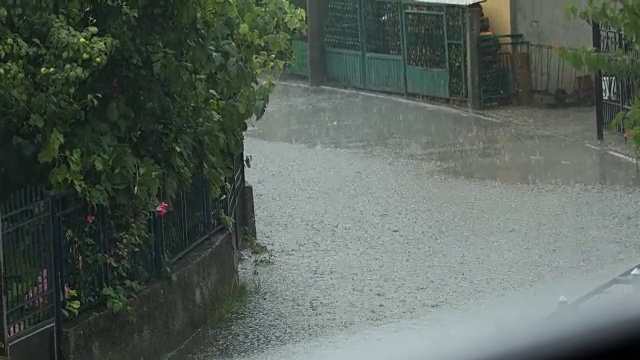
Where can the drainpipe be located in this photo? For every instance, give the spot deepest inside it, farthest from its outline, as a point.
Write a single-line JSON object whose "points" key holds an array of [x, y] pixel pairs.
{"points": [[473, 58], [316, 17], [513, 17]]}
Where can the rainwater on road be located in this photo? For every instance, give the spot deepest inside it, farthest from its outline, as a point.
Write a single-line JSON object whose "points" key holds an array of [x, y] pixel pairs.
{"points": [[379, 212]]}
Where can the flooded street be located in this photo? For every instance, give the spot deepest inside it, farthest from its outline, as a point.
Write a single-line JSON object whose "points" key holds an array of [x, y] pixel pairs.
{"points": [[379, 212]]}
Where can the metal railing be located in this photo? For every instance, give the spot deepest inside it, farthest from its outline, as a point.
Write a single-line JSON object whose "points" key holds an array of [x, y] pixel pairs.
{"points": [[497, 70], [628, 283], [29, 302], [614, 94], [51, 244], [550, 73]]}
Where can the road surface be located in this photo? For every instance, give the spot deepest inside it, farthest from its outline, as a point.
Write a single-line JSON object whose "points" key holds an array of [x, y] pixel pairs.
{"points": [[379, 211]]}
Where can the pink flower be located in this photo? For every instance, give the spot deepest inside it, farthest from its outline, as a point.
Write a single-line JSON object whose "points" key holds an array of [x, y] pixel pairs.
{"points": [[28, 299], [35, 296], [14, 330], [43, 283], [161, 209], [67, 289], [90, 219]]}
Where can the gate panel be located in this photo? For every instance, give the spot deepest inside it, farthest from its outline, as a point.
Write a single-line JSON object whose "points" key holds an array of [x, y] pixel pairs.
{"points": [[301, 52], [30, 304], [300, 47], [384, 64], [457, 50], [344, 49], [426, 49]]}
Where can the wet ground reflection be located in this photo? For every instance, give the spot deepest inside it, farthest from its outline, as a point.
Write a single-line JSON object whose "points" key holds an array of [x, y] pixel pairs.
{"points": [[380, 212], [460, 143]]}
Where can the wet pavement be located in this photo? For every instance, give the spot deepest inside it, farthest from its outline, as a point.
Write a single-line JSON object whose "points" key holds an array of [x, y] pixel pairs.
{"points": [[576, 123], [379, 212]]}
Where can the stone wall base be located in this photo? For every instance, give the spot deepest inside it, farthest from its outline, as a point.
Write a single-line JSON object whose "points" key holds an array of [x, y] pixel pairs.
{"points": [[164, 315]]}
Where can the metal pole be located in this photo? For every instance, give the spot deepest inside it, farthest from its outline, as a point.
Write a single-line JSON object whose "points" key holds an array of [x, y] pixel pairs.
{"points": [[4, 328], [473, 58], [635, 278], [55, 234], [316, 17], [158, 243], [563, 306], [596, 37]]}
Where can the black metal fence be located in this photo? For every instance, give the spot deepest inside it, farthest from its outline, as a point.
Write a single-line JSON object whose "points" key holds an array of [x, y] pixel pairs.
{"points": [[622, 285], [54, 252], [29, 302], [614, 94], [513, 70], [497, 69], [554, 81]]}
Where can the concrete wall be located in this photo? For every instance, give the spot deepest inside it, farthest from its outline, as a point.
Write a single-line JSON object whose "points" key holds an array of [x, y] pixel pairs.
{"points": [[499, 14], [545, 22], [164, 315], [545, 25]]}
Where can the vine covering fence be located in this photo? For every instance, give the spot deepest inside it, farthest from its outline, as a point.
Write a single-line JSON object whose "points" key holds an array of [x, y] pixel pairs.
{"points": [[55, 242]]}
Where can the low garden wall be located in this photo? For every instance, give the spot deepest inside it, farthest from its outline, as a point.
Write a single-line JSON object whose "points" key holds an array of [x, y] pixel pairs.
{"points": [[164, 315]]}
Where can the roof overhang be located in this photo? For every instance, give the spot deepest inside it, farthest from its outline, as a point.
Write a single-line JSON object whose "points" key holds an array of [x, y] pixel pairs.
{"points": [[452, 2]]}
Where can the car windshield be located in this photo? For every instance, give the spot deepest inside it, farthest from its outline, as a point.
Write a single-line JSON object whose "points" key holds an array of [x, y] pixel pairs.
{"points": [[302, 179]]}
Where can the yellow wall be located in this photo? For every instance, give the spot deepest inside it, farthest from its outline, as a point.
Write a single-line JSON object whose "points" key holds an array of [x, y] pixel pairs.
{"points": [[499, 15]]}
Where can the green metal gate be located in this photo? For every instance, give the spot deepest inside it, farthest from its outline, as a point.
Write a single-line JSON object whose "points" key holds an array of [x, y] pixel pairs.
{"points": [[343, 41], [300, 48], [426, 48], [384, 63], [397, 46], [435, 48], [300, 66]]}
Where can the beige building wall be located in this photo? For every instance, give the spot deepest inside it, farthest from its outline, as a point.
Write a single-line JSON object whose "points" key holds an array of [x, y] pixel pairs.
{"points": [[499, 14]]}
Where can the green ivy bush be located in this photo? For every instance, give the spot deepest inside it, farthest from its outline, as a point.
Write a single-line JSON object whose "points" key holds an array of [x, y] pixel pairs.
{"points": [[119, 99]]}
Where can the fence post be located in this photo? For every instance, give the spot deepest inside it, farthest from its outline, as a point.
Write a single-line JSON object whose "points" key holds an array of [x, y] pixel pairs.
{"points": [[58, 281], [184, 215], [635, 278], [473, 58], [236, 192], [242, 198], [563, 306], [158, 244], [316, 16], [3, 301], [208, 211], [597, 38]]}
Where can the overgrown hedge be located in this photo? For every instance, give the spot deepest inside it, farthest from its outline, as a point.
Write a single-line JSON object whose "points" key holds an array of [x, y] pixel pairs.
{"points": [[123, 102]]}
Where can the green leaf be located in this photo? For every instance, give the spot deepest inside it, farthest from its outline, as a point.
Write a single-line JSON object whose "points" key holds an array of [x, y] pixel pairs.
{"points": [[232, 66], [36, 121], [108, 291], [52, 147], [112, 111], [259, 109]]}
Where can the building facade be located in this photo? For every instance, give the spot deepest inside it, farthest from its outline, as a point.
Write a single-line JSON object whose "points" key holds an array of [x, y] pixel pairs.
{"points": [[545, 22], [499, 14]]}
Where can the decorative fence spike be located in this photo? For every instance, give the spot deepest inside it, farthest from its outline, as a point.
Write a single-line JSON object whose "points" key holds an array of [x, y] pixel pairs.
{"points": [[635, 278], [563, 305]]}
